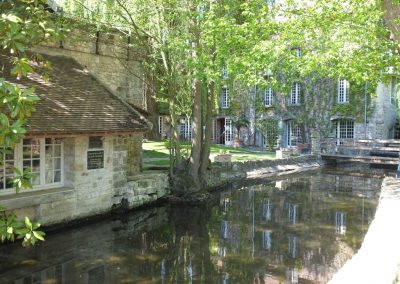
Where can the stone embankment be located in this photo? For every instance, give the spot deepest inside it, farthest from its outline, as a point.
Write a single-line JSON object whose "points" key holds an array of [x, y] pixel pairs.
{"points": [[378, 259], [143, 189], [223, 173]]}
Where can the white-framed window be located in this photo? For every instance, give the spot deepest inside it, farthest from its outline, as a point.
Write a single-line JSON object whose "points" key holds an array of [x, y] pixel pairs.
{"points": [[185, 129], [160, 125], [95, 153], [345, 129], [343, 91], [7, 164], [228, 131], [225, 97], [268, 96], [294, 134], [295, 94], [43, 157]]}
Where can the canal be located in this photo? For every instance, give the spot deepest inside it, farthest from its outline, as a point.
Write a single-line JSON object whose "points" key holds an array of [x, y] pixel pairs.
{"points": [[296, 229]]}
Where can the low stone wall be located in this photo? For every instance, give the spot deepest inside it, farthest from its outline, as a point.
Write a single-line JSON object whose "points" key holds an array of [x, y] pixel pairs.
{"points": [[223, 173], [143, 189]]}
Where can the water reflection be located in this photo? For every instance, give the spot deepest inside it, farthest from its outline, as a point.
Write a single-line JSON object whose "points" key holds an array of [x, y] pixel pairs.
{"points": [[300, 229]]}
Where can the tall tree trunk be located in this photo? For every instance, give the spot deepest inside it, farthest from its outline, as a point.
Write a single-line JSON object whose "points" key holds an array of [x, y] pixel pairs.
{"points": [[205, 150], [194, 162], [174, 132], [151, 106]]}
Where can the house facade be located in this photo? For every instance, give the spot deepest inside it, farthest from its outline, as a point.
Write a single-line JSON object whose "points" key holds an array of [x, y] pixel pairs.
{"points": [[336, 108], [84, 141]]}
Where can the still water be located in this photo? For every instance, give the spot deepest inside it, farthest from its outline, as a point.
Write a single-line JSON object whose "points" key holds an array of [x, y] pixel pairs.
{"points": [[300, 229]]}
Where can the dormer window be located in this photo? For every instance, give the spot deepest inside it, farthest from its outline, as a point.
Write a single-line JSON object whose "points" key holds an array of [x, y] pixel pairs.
{"points": [[295, 94], [225, 97], [343, 91], [268, 97]]}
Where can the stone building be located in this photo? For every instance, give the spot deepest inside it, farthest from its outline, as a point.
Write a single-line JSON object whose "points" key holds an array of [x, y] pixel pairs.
{"points": [[335, 108], [83, 143]]}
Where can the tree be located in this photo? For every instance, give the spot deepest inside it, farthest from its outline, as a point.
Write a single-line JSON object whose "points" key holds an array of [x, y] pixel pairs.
{"points": [[23, 24], [269, 127], [188, 42]]}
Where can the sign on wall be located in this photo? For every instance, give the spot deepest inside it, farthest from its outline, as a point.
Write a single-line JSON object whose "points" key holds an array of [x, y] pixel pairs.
{"points": [[95, 159]]}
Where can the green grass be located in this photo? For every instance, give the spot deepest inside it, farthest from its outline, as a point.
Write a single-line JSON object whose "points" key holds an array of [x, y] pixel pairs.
{"points": [[156, 153]]}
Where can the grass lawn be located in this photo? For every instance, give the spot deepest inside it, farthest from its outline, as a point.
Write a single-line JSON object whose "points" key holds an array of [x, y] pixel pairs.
{"points": [[156, 153]]}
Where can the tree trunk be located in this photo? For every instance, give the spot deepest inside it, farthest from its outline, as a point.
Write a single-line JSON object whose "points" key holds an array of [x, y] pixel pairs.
{"points": [[151, 107], [194, 162], [205, 150], [174, 132]]}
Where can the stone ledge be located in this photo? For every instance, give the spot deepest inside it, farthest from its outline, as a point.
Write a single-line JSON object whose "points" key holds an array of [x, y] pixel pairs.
{"points": [[36, 197], [378, 259]]}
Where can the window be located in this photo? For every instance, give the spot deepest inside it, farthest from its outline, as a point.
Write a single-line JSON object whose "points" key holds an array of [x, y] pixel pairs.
{"points": [[295, 94], [343, 91], [160, 125], [268, 96], [43, 157], [6, 168], [185, 129], [228, 131], [344, 128], [225, 97], [95, 153], [294, 134], [53, 161], [31, 158]]}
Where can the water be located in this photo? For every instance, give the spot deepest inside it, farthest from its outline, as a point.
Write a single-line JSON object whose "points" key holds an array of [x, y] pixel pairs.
{"points": [[298, 229]]}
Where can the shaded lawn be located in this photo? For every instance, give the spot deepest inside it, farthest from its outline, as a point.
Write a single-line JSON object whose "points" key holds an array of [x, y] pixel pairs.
{"points": [[158, 150]]}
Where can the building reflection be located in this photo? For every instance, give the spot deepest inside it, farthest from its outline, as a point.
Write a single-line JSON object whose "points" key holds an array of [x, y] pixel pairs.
{"points": [[340, 222], [267, 210], [292, 246], [266, 240], [292, 213], [224, 229]]}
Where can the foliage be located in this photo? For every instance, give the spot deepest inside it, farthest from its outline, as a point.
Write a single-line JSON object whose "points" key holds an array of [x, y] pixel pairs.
{"points": [[269, 127], [23, 23], [188, 42]]}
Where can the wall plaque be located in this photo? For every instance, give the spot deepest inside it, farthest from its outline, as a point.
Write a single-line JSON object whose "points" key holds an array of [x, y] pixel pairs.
{"points": [[95, 159]]}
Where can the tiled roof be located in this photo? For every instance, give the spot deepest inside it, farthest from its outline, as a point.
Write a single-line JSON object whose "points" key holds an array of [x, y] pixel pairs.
{"points": [[73, 101]]}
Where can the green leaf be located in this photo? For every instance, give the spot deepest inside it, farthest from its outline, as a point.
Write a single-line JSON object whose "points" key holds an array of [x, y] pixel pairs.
{"points": [[28, 223], [38, 235]]}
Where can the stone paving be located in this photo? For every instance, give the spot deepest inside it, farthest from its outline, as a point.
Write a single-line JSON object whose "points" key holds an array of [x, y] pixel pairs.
{"points": [[378, 259]]}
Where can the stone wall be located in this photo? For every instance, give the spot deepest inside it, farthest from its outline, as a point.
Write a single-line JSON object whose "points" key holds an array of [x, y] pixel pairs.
{"points": [[108, 58], [224, 173], [384, 118], [90, 192]]}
